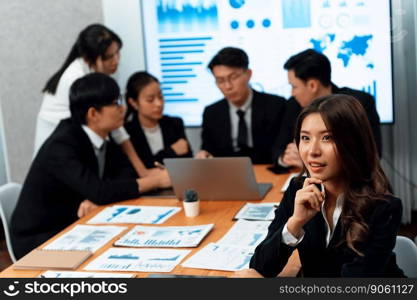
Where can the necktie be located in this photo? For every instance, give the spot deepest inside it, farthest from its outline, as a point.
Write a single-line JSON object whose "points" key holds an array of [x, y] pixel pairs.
{"points": [[242, 134], [101, 159]]}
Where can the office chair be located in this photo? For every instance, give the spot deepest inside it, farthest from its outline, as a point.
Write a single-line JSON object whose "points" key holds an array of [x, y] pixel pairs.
{"points": [[406, 252], [9, 193]]}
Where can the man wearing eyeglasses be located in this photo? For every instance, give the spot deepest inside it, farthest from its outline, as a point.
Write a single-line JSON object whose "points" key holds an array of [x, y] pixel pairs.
{"points": [[78, 167], [246, 122]]}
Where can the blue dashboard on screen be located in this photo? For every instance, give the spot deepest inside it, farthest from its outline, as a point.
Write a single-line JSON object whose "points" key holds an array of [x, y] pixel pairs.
{"points": [[181, 36]]}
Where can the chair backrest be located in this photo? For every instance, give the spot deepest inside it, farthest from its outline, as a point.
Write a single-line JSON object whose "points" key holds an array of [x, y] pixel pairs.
{"points": [[4, 160], [406, 252], [9, 193]]}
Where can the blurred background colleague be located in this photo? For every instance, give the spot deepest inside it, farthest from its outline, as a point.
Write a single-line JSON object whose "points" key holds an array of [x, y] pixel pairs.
{"points": [[97, 49], [309, 74], [78, 167], [245, 122], [154, 136]]}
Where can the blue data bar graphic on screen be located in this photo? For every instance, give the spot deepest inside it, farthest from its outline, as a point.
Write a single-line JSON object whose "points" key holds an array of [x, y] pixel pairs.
{"points": [[371, 89], [186, 16], [178, 59], [175, 70], [182, 45], [182, 52], [172, 57], [296, 13]]}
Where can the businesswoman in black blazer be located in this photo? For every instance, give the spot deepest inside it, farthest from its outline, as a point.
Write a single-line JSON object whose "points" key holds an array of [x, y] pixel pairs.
{"points": [[341, 217], [154, 136]]}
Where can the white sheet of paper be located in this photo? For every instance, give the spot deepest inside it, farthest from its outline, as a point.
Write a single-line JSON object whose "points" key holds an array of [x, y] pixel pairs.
{"points": [[134, 214], [168, 236], [246, 233], [220, 257], [75, 274], [138, 260], [257, 211], [85, 237]]}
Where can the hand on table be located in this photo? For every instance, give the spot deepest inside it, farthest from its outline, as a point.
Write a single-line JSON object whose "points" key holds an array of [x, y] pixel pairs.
{"points": [[85, 208]]}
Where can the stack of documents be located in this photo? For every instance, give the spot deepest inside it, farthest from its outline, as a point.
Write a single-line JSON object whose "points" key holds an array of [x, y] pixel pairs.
{"points": [[234, 251]]}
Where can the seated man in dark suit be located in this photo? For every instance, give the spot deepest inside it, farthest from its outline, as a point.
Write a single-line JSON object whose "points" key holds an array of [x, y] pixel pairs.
{"points": [[245, 122], [77, 167], [309, 74]]}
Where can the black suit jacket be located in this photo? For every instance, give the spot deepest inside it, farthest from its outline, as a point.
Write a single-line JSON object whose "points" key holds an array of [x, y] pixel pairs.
{"points": [[335, 260], [172, 130], [293, 109], [62, 175], [267, 113]]}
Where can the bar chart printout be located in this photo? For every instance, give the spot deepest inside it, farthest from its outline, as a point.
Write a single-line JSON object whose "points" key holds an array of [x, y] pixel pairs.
{"points": [[220, 257], [257, 211], [246, 233], [138, 260], [134, 214], [168, 236], [85, 237]]}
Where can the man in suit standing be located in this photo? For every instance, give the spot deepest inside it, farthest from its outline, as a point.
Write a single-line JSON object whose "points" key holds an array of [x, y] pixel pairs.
{"points": [[309, 74], [245, 122], [78, 167]]}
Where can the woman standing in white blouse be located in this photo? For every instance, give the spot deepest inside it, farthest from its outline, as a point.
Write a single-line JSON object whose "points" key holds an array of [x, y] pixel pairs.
{"points": [[97, 49]]}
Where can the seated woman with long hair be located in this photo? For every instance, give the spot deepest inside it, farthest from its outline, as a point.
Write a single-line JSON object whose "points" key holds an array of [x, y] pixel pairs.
{"points": [[342, 217], [154, 136]]}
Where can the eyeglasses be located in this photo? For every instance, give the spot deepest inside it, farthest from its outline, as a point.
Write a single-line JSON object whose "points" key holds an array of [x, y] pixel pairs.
{"points": [[232, 78], [120, 101]]}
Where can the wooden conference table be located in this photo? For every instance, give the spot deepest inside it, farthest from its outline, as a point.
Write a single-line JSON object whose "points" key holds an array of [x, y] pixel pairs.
{"points": [[218, 212]]}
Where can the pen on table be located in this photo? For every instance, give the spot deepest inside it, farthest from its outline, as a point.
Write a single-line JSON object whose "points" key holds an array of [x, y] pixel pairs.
{"points": [[159, 165]]}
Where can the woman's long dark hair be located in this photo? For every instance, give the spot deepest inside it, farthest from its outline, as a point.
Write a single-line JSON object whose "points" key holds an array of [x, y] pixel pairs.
{"points": [[91, 43], [135, 84], [346, 119]]}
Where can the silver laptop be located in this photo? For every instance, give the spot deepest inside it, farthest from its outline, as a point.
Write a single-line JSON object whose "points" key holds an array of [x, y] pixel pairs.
{"points": [[220, 178]]}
